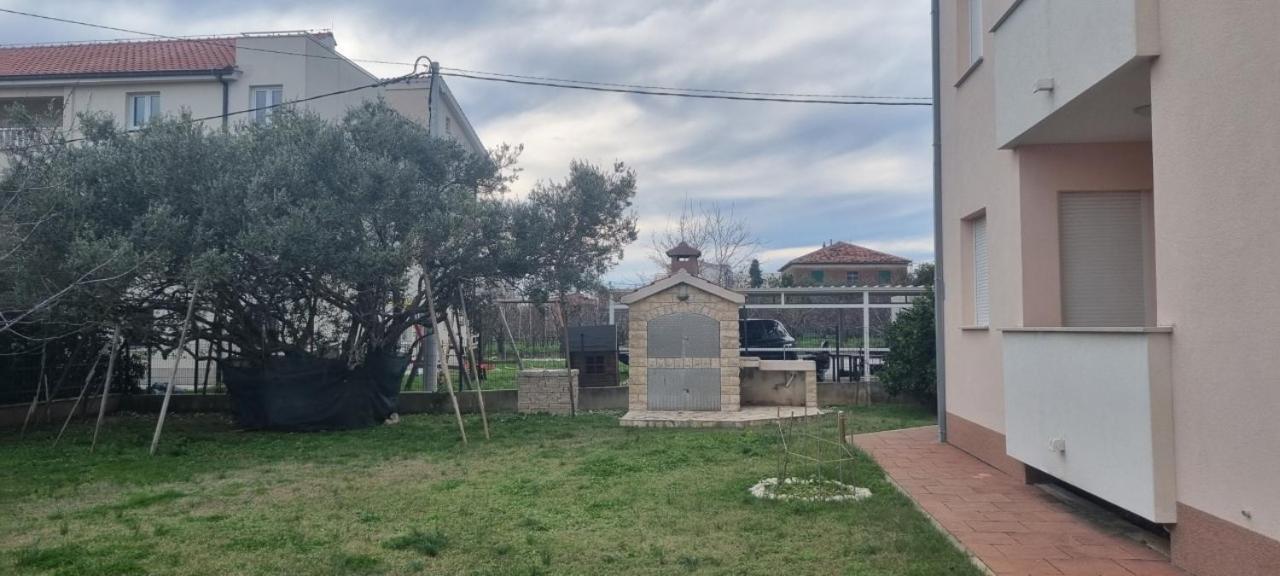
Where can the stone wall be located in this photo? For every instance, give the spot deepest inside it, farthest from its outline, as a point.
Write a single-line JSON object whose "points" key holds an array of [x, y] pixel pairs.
{"points": [[699, 302], [546, 390]]}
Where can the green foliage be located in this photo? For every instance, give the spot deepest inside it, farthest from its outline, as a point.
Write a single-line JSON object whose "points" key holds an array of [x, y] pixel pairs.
{"points": [[754, 275], [573, 231], [911, 365], [922, 275], [300, 235]]}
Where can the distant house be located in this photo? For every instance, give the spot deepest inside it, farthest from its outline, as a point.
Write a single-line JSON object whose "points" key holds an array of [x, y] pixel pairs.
{"points": [[845, 264], [213, 78]]}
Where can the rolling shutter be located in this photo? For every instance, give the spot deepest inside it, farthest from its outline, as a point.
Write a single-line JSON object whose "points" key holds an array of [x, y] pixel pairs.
{"points": [[1101, 243], [981, 274]]}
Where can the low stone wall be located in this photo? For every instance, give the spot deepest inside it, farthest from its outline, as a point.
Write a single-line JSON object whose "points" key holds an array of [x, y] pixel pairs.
{"points": [[547, 391], [589, 399]]}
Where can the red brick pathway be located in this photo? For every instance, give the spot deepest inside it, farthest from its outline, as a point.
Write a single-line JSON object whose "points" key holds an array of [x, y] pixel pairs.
{"points": [[1011, 527]]}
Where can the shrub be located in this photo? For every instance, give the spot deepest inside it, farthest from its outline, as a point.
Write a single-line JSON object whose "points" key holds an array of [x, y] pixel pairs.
{"points": [[911, 366]]}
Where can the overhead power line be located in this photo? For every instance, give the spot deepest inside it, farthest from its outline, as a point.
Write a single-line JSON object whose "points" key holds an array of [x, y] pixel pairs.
{"points": [[692, 95], [677, 89], [652, 90]]}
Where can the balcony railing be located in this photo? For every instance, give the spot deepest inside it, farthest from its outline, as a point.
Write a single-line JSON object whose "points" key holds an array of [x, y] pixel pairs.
{"points": [[1094, 408], [14, 138]]}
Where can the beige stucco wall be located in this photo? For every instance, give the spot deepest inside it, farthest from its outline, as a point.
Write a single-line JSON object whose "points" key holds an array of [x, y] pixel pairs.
{"points": [[1046, 171], [1216, 137], [1213, 167], [976, 177], [698, 302]]}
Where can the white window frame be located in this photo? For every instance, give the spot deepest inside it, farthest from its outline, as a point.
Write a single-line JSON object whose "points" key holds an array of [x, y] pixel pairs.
{"points": [[272, 95], [974, 14], [151, 102], [981, 271]]}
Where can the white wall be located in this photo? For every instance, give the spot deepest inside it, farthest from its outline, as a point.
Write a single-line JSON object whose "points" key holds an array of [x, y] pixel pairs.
{"points": [[1108, 398]]}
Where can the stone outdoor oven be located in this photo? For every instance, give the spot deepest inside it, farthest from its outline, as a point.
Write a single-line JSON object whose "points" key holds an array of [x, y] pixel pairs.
{"points": [[683, 334]]}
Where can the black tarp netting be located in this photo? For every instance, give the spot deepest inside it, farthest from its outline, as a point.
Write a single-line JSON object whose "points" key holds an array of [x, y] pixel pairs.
{"points": [[299, 393]]}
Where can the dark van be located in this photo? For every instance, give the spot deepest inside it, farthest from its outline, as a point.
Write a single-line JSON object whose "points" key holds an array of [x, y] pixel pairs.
{"points": [[767, 339]]}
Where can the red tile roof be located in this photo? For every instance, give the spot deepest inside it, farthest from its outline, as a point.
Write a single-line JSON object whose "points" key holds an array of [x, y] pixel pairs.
{"points": [[846, 253], [118, 58]]}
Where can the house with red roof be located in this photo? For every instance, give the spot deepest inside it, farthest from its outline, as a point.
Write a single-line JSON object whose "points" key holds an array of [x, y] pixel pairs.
{"points": [[845, 264], [221, 80]]}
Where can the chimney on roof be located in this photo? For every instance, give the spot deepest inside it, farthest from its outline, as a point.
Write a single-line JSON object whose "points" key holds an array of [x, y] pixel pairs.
{"points": [[684, 257]]}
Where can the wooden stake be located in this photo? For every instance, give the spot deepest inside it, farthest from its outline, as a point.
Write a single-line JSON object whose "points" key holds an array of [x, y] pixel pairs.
{"points": [[448, 379], [475, 367], [503, 316], [168, 389], [106, 385], [40, 381], [83, 390]]}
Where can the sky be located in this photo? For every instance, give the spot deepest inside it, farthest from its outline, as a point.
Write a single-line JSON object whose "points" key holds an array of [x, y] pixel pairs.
{"points": [[798, 174]]}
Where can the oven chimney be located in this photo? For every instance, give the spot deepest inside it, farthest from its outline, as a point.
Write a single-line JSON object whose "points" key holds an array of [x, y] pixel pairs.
{"points": [[684, 257]]}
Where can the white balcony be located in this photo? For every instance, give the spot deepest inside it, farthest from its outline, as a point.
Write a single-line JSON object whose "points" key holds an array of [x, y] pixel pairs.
{"points": [[1094, 408], [1074, 72]]}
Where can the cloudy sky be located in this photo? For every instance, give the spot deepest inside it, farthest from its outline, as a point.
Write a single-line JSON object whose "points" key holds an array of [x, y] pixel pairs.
{"points": [[798, 174]]}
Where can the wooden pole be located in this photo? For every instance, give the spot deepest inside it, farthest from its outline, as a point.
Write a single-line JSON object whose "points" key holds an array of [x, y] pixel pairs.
{"points": [[448, 379], [462, 305], [40, 381], [452, 335], [507, 327], [83, 390], [106, 386], [168, 389]]}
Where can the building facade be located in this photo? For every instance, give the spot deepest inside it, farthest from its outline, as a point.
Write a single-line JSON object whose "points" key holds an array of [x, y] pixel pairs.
{"points": [[1107, 204], [845, 264], [214, 78]]}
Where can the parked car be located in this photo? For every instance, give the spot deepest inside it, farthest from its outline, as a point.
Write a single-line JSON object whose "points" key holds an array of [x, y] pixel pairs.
{"points": [[767, 339]]}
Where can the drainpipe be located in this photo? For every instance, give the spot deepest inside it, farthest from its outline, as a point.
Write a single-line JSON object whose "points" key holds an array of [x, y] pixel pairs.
{"points": [[226, 99], [939, 286]]}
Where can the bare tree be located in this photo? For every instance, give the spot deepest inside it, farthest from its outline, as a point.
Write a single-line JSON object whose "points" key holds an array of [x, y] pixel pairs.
{"points": [[725, 239]]}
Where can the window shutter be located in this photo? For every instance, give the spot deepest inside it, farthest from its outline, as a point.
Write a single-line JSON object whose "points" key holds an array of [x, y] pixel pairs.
{"points": [[981, 274], [1101, 245]]}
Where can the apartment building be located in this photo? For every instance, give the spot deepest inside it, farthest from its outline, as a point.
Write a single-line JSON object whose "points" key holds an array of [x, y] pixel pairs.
{"points": [[1108, 203], [215, 78]]}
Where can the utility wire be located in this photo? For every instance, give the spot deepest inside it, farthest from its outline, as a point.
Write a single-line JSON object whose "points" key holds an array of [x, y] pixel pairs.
{"points": [[687, 95], [677, 89], [540, 80]]}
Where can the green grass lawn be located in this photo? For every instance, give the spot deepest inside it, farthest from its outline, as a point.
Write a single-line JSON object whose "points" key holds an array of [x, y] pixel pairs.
{"points": [[547, 495]]}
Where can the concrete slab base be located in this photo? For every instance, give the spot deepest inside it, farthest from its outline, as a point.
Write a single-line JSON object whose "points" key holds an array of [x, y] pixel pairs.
{"points": [[747, 416]]}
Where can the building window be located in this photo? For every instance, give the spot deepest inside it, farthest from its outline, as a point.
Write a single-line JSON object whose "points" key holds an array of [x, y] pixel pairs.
{"points": [[264, 98], [817, 276], [973, 20], [1104, 242], [885, 276], [142, 108], [981, 272], [851, 278]]}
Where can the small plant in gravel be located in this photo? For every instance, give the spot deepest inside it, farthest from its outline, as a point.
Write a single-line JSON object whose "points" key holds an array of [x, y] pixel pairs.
{"points": [[808, 490]]}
